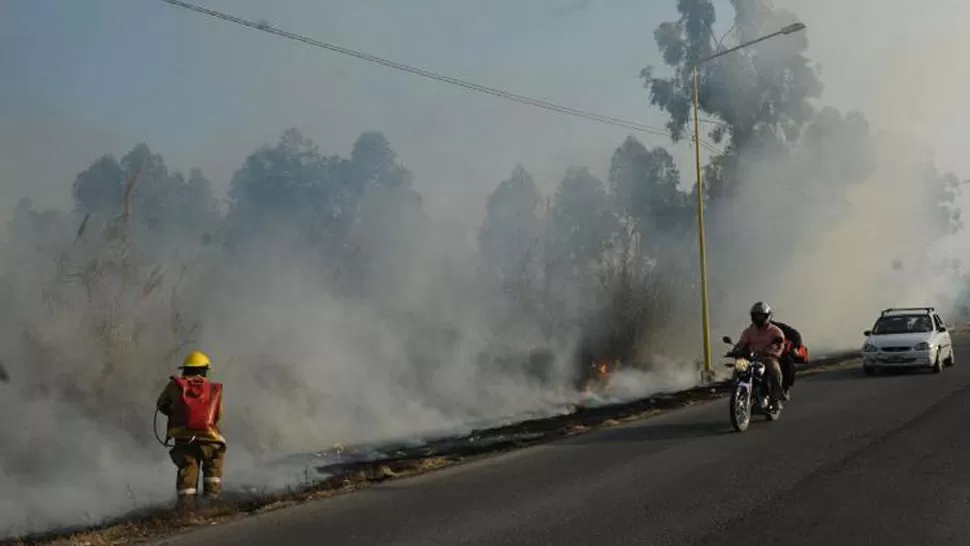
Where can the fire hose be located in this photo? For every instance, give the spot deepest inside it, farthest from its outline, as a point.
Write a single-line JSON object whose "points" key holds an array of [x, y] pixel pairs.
{"points": [[164, 443]]}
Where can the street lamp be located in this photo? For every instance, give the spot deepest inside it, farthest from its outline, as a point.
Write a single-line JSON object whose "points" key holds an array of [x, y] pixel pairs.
{"points": [[708, 374]]}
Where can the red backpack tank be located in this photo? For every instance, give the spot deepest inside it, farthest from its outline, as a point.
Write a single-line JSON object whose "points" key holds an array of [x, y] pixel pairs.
{"points": [[197, 406]]}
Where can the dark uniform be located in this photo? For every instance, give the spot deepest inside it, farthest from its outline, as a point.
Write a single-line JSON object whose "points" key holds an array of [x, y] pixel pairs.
{"points": [[193, 405], [793, 342]]}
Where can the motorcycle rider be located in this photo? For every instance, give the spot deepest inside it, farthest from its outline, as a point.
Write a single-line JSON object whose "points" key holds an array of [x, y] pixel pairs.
{"points": [[763, 337]]}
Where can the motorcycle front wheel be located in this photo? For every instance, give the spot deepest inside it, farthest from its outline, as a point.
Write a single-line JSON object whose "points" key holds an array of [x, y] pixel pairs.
{"points": [[740, 408]]}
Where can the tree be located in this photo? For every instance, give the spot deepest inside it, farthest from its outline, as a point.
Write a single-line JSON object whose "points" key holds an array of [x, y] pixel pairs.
{"points": [[161, 201], [761, 96], [149, 174], [167, 202], [288, 188], [511, 223], [582, 225], [293, 188], [373, 170], [374, 164], [644, 189], [100, 188], [198, 207]]}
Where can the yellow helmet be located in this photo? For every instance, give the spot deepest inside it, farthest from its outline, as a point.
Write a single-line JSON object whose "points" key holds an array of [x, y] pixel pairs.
{"points": [[197, 359]]}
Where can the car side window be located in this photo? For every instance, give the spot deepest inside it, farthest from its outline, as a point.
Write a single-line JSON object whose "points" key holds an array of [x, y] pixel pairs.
{"points": [[939, 323]]}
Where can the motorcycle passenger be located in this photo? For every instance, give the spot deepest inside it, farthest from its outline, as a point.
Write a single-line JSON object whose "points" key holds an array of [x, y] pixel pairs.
{"points": [[768, 340], [794, 351]]}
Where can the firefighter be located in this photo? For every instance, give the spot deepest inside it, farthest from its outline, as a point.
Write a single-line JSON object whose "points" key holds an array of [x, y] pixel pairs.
{"points": [[193, 405]]}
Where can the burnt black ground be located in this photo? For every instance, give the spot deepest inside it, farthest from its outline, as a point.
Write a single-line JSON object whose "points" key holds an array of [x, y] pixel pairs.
{"points": [[853, 460]]}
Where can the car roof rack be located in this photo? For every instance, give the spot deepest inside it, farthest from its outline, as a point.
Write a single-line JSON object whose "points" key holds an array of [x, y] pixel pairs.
{"points": [[927, 310]]}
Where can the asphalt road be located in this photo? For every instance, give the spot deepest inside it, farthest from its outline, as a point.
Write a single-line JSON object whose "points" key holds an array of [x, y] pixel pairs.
{"points": [[853, 460]]}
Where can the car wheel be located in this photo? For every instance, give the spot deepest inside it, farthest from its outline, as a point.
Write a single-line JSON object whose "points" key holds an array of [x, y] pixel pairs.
{"points": [[938, 365], [949, 360]]}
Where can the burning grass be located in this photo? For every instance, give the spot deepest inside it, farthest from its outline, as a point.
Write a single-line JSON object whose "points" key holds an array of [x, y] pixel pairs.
{"points": [[143, 526]]}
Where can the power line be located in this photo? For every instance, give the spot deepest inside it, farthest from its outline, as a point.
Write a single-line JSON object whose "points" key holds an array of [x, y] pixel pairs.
{"points": [[704, 143], [713, 121], [530, 101], [539, 103]]}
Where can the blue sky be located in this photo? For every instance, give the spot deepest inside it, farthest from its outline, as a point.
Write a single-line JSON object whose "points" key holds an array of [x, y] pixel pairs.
{"points": [[86, 77]]}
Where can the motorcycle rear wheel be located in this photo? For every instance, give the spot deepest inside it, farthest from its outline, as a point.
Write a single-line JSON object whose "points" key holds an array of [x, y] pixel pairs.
{"points": [[740, 409]]}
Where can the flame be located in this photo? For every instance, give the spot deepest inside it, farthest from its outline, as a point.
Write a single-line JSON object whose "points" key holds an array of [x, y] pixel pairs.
{"points": [[599, 378]]}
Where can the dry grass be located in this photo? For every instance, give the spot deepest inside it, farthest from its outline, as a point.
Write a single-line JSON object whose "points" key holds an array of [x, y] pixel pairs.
{"points": [[637, 304], [161, 522], [158, 523]]}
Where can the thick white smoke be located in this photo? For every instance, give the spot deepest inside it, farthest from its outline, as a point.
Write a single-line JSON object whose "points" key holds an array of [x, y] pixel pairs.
{"points": [[306, 365]]}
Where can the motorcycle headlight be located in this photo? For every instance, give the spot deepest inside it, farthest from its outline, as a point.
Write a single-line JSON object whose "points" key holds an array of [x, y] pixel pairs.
{"points": [[869, 348], [922, 346], [741, 364]]}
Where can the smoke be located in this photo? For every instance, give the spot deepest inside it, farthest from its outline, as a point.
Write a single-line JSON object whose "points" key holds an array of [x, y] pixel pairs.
{"points": [[827, 216], [666, 375], [401, 328], [831, 239], [404, 335]]}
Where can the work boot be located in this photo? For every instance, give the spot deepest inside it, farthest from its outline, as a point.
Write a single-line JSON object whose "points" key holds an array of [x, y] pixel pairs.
{"points": [[204, 502], [185, 503]]}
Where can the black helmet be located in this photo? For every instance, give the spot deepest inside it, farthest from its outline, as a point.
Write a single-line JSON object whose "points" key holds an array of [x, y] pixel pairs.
{"points": [[760, 313]]}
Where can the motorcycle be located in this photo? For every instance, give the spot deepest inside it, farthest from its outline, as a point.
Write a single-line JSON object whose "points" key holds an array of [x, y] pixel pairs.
{"points": [[751, 388]]}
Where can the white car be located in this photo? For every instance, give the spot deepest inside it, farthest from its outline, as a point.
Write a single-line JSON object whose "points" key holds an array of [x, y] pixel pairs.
{"points": [[907, 337]]}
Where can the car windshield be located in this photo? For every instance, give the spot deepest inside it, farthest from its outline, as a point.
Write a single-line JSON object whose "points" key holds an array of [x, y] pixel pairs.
{"points": [[903, 324]]}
